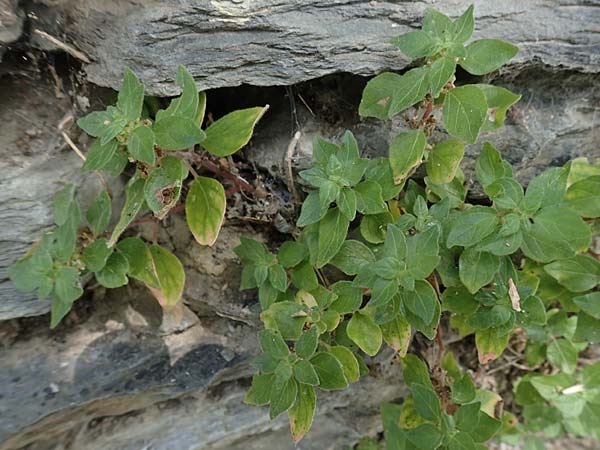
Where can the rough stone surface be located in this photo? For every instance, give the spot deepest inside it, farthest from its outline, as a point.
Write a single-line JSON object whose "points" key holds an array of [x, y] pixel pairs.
{"points": [[266, 42]]}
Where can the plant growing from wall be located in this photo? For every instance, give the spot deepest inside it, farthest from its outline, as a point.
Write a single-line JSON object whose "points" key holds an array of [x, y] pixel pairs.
{"points": [[381, 257], [159, 153]]}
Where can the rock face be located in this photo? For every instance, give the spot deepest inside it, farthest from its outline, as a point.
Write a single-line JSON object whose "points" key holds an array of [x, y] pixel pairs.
{"points": [[120, 374], [267, 43]]}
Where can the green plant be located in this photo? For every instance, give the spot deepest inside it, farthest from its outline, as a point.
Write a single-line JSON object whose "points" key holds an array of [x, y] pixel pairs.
{"points": [[161, 151], [511, 269]]}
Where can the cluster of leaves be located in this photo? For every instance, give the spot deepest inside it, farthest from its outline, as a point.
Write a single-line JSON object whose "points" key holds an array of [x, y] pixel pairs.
{"points": [[158, 151], [452, 415], [403, 254]]}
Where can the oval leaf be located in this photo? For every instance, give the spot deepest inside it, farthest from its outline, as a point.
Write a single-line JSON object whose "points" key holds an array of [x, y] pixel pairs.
{"points": [[231, 132], [205, 209]]}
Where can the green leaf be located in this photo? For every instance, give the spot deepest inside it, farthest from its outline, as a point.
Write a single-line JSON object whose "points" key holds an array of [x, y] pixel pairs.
{"points": [[590, 303], [28, 273], [422, 301], [163, 186], [100, 155], [273, 344], [292, 253], [498, 101], [380, 171], [383, 291], [67, 289], [283, 396], [506, 193], [303, 277], [252, 252], [134, 192], [444, 160], [388, 94], [459, 300], [170, 275], [415, 371], [583, 197], [347, 202], [427, 402], [307, 344], [141, 145], [546, 189], [348, 361], [406, 152], [365, 333], [373, 227], [397, 333], [305, 373], [99, 213], [416, 44], [232, 131], [114, 272], [440, 72], [177, 133], [476, 269], [186, 105], [140, 260], [562, 355], [472, 226], [490, 344], [425, 437], [501, 245], [323, 150], [205, 209], [66, 233], [352, 256], [349, 297], [462, 28], [578, 274], [62, 204], [287, 317], [489, 166], [302, 412], [328, 192], [312, 210], [114, 125], [486, 55], [369, 199], [591, 376], [438, 25], [464, 113], [330, 371], [278, 277], [467, 417], [588, 329], [267, 295], [556, 233], [116, 164], [332, 231], [260, 391], [94, 123], [96, 254], [463, 390], [131, 96], [462, 441]]}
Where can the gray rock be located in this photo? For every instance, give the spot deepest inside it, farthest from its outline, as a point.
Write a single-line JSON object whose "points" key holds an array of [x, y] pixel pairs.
{"points": [[266, 43], [121, 374], [11, 22]]}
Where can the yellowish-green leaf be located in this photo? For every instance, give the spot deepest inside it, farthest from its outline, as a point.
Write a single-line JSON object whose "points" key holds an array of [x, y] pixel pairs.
{"points": [[232, 131], [205, 209]]}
